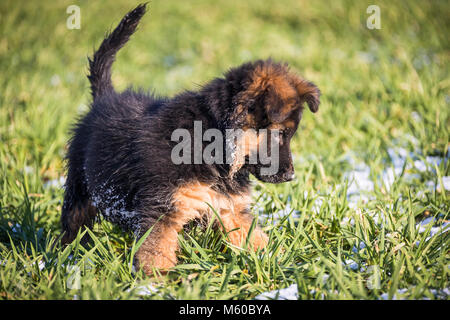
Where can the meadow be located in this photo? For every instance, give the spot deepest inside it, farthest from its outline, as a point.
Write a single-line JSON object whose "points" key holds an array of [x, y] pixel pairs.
{"points": [[367, 216]]}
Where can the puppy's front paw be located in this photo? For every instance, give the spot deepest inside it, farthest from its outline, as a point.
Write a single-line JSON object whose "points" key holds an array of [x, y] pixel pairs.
{"points": [[259, 239], [150, 261]]}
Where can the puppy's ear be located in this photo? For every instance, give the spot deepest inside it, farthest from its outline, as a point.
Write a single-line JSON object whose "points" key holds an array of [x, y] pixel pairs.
{"points": [[309, 93]]}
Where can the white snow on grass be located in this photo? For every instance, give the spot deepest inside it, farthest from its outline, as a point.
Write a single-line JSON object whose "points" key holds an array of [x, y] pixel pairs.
{"points": [[362, 181], [360, 178], [440, 294], [435, 229], [55, 183], [289, 293], [424, 224], [403, 165], [145, 290]]}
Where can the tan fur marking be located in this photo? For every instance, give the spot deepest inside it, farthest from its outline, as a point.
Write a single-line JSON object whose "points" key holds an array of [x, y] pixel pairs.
{"points": [[290, 124], [280, 81], [283, 125], [277, 126], [239, 109], [267, 75], [237, 223], [159, 249], [250, 121], [190, 201], [232, 211]]}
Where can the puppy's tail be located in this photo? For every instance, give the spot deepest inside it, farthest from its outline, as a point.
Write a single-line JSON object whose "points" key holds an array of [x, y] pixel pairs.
{"points": [[100, 65]]}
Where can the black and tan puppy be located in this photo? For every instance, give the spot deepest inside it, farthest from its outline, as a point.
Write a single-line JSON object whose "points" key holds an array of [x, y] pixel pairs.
{"points": [[119, 158]]}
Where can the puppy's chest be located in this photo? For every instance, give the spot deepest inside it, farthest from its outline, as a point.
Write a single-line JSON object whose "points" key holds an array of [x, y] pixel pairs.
{"points": [[195, 200]]}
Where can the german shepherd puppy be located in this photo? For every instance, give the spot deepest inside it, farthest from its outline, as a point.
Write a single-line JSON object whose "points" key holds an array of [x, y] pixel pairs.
{"points": [[120, 154]]}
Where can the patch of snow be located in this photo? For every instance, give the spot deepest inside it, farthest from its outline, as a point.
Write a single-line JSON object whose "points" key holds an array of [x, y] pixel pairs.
{"points": [[360, 182], [441, 294], [145, 290], [438, 294], [434, 231], [16, 228], [288, 210], [353, 265], [289, 293], [55, 183], [55, 80], [362, 245], [446, 182], [317, 204], [41, 265], [416, 116], [385, 296], [28, 169], [347, 220]]}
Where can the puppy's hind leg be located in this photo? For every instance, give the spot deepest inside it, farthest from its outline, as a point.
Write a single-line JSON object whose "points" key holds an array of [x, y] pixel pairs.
{"points": [[77, 212]]}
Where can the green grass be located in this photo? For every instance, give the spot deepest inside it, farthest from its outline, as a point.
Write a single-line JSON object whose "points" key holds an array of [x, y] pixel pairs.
{"points": [[380, 88]]}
